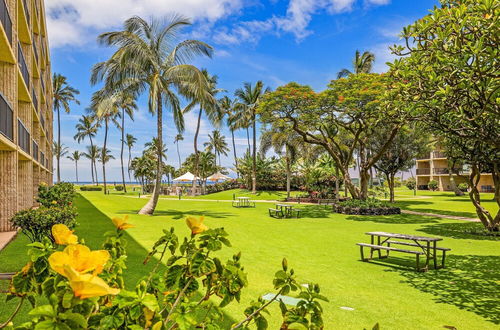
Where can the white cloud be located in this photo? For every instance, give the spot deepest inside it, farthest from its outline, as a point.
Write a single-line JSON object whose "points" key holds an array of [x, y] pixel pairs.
{"points": [[70, 21]]}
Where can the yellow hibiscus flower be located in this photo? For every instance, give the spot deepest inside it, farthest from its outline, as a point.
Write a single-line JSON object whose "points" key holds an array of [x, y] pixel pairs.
{"points": [[80, 258], [121, 223], [87, 285], [196, 225], [63, 235]]}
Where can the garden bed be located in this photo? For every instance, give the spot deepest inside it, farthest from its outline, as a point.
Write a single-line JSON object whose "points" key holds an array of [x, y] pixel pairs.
{"points": [[366, 211], [312, 200]]}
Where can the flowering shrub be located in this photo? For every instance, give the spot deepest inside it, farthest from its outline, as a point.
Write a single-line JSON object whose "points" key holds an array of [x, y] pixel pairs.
{"points": [[84, 289], [60, 194]]}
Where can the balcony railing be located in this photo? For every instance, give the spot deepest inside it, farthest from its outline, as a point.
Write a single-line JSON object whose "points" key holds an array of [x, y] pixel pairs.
{"points": [[43, 84], [427, 156], [440, 171], [42, 120], [26, 11], [6, 123], [23, 136], [423, 171], [22, 66], [438, 154], [34, 150], [35, 99], [42, 158], [35, 49], [6, 21]]}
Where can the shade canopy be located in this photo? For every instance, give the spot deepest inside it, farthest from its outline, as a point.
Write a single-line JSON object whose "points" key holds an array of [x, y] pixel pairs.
{"points": [[218, 177], [186, 177]]}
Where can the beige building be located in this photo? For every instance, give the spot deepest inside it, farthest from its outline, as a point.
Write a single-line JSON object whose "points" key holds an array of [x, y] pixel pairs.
{"points": [[434, 166], [25, 106]]}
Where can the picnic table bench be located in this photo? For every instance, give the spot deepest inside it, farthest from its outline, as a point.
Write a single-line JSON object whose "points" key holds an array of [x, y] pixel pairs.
{"points": [[427, 247], [326, 201], [243, 202], [284, 211]]}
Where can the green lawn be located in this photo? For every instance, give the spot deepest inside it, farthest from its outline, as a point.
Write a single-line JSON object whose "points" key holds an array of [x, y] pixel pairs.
{"points": [[321, 248]]}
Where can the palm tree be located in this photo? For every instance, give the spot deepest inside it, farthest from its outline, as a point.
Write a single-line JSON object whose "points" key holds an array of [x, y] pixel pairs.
{"points": [[148, 59], [87, 127], [361, 64], [127, 105], [177, 139], [218, 144], [212, 111], [59, 151], [93, 154], [105, 155], [249, 98], [285, 144], [130, 140], [152, 148], [227, 105], [75, 156], [63, 94]]}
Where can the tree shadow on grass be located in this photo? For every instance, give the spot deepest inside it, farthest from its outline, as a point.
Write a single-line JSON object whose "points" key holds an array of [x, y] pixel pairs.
{"points": [[469, 282], [419, 206], [177, 215], [460, 230], [403, 219], [314, 211]]}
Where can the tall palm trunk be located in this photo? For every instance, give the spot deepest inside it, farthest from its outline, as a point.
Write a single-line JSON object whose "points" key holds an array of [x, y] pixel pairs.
{"points": [[129, 160], [254, 156], [58, 155], [121, 151], [92, 160], [248, 140], [104, 153], [178, 154], [76, 168], [234, 152], [150, 206], [196, 156]]}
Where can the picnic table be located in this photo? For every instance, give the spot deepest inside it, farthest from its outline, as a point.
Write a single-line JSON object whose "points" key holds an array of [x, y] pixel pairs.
{"points": [[426, 246], [283, 211], [243, 202]]}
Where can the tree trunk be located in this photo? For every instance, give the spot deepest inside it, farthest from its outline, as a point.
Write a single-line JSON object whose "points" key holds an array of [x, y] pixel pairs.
{"points": [[179, 154], [254, 155], [92, 161], [150, 206], [129, 160], [103, 154], [235, 157], [196, 156], [59, 145], [76, 168], [336, 182], [390, 178], [121, 151], [453, 184], [364, 178], [288, 176], [248, 141], [490, 223]]}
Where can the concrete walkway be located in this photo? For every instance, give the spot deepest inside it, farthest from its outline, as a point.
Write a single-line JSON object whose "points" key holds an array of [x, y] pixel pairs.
{"points": [[441, 216], [6, 237]]}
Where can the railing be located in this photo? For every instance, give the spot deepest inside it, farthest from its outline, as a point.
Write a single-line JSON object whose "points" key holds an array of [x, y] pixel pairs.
{"points": [[43, 84], [6, 21], [26, 11], [440, 171], [46, 162], [34, 48], [6, 123], [34, 147], [423, 171], [421, 157], [22, 66], [35, 99], [23, 136], [438, 154], [42, 120], [42, 158]]}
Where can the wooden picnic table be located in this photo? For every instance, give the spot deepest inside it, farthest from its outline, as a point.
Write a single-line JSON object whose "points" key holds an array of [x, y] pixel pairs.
{"points": [[243, 202], [427, 246], [286, 209]]}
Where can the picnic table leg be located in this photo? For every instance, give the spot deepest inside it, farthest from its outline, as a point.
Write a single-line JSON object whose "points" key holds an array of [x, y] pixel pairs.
{"points": [[371, 249], [427, 255], [362, 255], [379, 252], [418, 262], [434, 254]]}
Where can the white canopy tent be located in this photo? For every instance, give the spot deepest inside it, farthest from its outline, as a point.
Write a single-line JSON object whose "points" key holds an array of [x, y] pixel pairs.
{"points": [[218, 177], [186, 177]]}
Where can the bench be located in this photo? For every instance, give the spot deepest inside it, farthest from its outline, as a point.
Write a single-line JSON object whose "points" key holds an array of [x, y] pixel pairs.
{"points": [[297, 212], [6, 276], [326, 202], [442, 249], [374, 247], [275, 213]]}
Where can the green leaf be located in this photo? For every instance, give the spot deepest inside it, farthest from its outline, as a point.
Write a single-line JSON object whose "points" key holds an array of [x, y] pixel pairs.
{"points": [[66, 300], [150, 302], [75, 318], [46, 325], [44, 310]]}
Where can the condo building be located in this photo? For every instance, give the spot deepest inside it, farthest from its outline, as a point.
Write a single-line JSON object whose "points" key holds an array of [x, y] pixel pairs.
{"points": [[25, 106], [434, 166]]}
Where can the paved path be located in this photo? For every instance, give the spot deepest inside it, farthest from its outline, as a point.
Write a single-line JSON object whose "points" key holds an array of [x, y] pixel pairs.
{"points": [[6, 237], [441, 216]]}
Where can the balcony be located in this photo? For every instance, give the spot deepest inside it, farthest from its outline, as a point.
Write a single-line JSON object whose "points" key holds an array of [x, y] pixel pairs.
{"points": [[6, 54], [438, 154], [23, 137], [24, 33], [42, 158], [6, 123], [42, 121], [440, 171], [423, 171], [35, 100], [34, 147], [423, 157], [22, 66]]}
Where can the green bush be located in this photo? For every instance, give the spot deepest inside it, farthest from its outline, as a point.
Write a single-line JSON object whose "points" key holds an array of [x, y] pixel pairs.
{"points": [[60, 194], [119, 188], [368, 203], [411, 183], [37, 223], [433, 185], [463, 187], [90, 188]]}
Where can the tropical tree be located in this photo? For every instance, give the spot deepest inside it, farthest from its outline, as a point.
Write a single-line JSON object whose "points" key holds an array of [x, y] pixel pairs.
{"points": [[144, 169], [75, 156], [87, 127], [248, 99], [285, 144], [228, 107], [59, 151], [93, 155], [148, 59], [63, 94], [105, 156], [130, 140], [448, 71], [212, 111], [177, 139], [127, 105], [362, 63], [218, 144], [153, 148]]}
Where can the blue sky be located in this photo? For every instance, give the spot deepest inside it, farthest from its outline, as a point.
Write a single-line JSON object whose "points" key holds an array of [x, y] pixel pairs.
{"points": [[276, 41]]}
